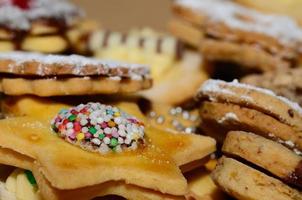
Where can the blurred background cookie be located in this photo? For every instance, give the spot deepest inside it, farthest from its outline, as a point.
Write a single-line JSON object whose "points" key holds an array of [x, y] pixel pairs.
{"points": [[285, 83], [286, 7], [225, 31], [40, 25]]}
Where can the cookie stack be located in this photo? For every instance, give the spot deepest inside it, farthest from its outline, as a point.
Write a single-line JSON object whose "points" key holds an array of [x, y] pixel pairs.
{"points": [[40, 25], [71, 149], [261, 135], [225, 31]]}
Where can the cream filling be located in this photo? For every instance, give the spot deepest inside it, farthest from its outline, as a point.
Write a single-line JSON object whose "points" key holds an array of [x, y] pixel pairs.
{"points": [[17, 187]]}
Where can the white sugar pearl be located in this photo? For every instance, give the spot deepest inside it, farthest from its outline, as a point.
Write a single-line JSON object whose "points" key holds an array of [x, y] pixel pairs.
{"points": [[106, 140], [96, 135], [99, 120], [122, 133], [97, 127], [121, 126], [69, 125], [93, 121], [83, 122], [107, 118], [69, 132], [133, 145], [120, 140], [118, 120], [118, 149], [127, 141], [103, 148], [84, 129], [96, 141], [107, 130]]}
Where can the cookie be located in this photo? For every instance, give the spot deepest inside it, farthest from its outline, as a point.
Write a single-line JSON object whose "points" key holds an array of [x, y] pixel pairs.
{"points": [[289, 7], [244, 182], [145, 46], [220, 118], [260, 99], [239, 34], [269, 155], [285, 83], [54, 168], [202, 187], [38, 25], [182, 148], [53, 75], [185, 149], [169, 61], [184, 78]]}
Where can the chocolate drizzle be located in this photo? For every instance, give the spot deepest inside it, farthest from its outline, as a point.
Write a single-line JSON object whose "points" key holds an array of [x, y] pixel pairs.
{"points": [[295, 178]]}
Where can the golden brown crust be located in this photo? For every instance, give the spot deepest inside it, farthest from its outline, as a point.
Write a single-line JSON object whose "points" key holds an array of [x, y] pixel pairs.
{"points": [[265, 153], [220, 42], [72, 86], [244, 182], [36, 68], [259, 99], [215, 115]]}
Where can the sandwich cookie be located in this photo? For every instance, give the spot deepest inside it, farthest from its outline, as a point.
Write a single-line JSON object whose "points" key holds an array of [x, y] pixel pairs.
{"points": [[53, 75]]}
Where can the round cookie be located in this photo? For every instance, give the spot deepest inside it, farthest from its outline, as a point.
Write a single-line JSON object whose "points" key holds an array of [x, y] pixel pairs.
{"points": [[256, 98], [53, 75], [219, 118], [269, 155], [244, 182]]}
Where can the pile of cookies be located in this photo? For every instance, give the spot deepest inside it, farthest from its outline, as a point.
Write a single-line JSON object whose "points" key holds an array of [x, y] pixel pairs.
{"points": [[40, 25], [71, 148], [261, 136], [225, 31], [77, 127]]}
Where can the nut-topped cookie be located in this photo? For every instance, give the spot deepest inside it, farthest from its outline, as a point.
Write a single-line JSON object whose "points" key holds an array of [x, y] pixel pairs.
{"points": [[53, 75], [37, 25]]}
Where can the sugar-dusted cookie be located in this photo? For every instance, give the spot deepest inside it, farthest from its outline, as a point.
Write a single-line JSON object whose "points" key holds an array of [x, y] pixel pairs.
{"points": [[244, 182], [40, 25], [291, 8], [223, 118], [263, 100], [53, 75], [285, 83], [267, 154], [227, 31]]}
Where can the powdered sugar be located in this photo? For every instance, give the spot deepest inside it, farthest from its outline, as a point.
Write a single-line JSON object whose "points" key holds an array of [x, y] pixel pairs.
{"points": [[217, 86], [282, 28], [228, 117], [17, 18], [78, 64]]}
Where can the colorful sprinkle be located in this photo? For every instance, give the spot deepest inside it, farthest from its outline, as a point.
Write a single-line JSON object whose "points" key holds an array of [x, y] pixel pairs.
{"points": [[99, 128], [30, 177]]}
